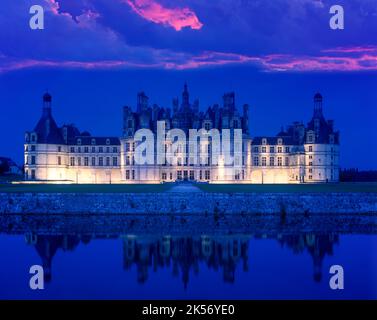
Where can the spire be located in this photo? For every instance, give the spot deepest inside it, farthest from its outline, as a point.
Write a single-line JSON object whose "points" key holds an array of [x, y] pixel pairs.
{"points": [[47, 103], [185, 97], [318, 105]]}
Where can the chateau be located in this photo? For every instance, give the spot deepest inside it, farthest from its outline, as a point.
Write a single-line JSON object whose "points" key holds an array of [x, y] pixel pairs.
{"points": [[299, 154]]}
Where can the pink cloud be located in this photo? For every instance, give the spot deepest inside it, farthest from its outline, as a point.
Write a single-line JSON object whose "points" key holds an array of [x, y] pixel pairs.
{"points": [[176, 18], [163, 59], [357, 49]]}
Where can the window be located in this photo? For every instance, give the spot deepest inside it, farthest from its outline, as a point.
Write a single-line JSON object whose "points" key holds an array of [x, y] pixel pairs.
{"points": [[72, 149], [33, 174], [207, 126], [207, 175], [310, 170], [310, 157], [79, 141], [93, 141], [100, 149], [287, 149], [32, 159], [93, 161], [310, 163], [256, 149], [115, 149], [264, 141], [280, 161], [107, 141], [72, 161], [59, 149], [192, 176], [163, 176], [86, 149], [310, 177], [100, 161], [263, 149], [108, 161], [171, 175], [286, 161], [272, 161], [79, 149], [32, 148], [272, 149], [280, 149], [79, 161], [115, 161], [310, 148], [127, 174], [86, 161], [256, 161], [108, 149], [179, 175], [93, 149], [264, 161], [59, 160], [133, 174], [127, 160], [33, 138], [200, 175]]}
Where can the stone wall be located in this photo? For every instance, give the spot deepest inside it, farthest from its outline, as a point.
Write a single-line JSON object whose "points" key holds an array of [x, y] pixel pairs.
{"points": [[205, 203]]}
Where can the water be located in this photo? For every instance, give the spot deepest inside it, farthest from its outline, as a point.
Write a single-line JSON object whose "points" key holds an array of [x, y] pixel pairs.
{"points": [[145, 264]]}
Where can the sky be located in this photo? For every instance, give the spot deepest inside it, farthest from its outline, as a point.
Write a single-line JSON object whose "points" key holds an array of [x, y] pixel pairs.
{"points": [[93, 56]]}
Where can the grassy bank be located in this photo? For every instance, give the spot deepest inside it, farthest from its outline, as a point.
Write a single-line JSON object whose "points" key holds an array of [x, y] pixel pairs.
{"points": [[226, 188]]}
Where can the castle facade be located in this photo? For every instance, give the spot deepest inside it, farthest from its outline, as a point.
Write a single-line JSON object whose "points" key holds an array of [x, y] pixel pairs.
{"points": [[299, 154]]}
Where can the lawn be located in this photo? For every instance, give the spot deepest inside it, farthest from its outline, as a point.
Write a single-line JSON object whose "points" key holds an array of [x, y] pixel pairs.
{"points": [[329, 187], [221, 188], [90, 188]]}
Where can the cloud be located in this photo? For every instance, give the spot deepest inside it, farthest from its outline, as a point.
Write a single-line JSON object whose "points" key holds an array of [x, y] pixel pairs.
{"points": [[102, 34], [176, 18], [162, 59]]}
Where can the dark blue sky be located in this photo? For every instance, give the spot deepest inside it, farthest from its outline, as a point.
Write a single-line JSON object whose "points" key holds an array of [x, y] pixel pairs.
{"points": [[95, 55]]}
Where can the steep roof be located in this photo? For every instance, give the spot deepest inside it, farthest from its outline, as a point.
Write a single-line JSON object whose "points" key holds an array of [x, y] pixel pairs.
{"points": [[47, 129]]}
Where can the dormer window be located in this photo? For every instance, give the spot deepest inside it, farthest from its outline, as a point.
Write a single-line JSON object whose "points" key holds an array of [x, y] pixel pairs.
{"points": [[107, 141], [280, 141], [207, 126], [264, 141], [93, 141], [79, 142], [33, 137]]}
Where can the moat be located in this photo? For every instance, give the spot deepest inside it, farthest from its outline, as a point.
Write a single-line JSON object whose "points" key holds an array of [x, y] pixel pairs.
{"points": [[187, 257]]}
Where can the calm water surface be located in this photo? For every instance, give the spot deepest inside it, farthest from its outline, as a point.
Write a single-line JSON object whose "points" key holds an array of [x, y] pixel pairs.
{"points": [[237, 266]]}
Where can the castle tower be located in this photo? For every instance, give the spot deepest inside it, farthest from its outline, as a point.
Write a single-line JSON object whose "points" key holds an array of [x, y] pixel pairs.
{"points": [[142, 102]]}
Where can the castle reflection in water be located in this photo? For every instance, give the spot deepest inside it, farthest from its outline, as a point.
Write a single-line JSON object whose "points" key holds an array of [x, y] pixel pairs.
{"points": [[185, 254]]}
